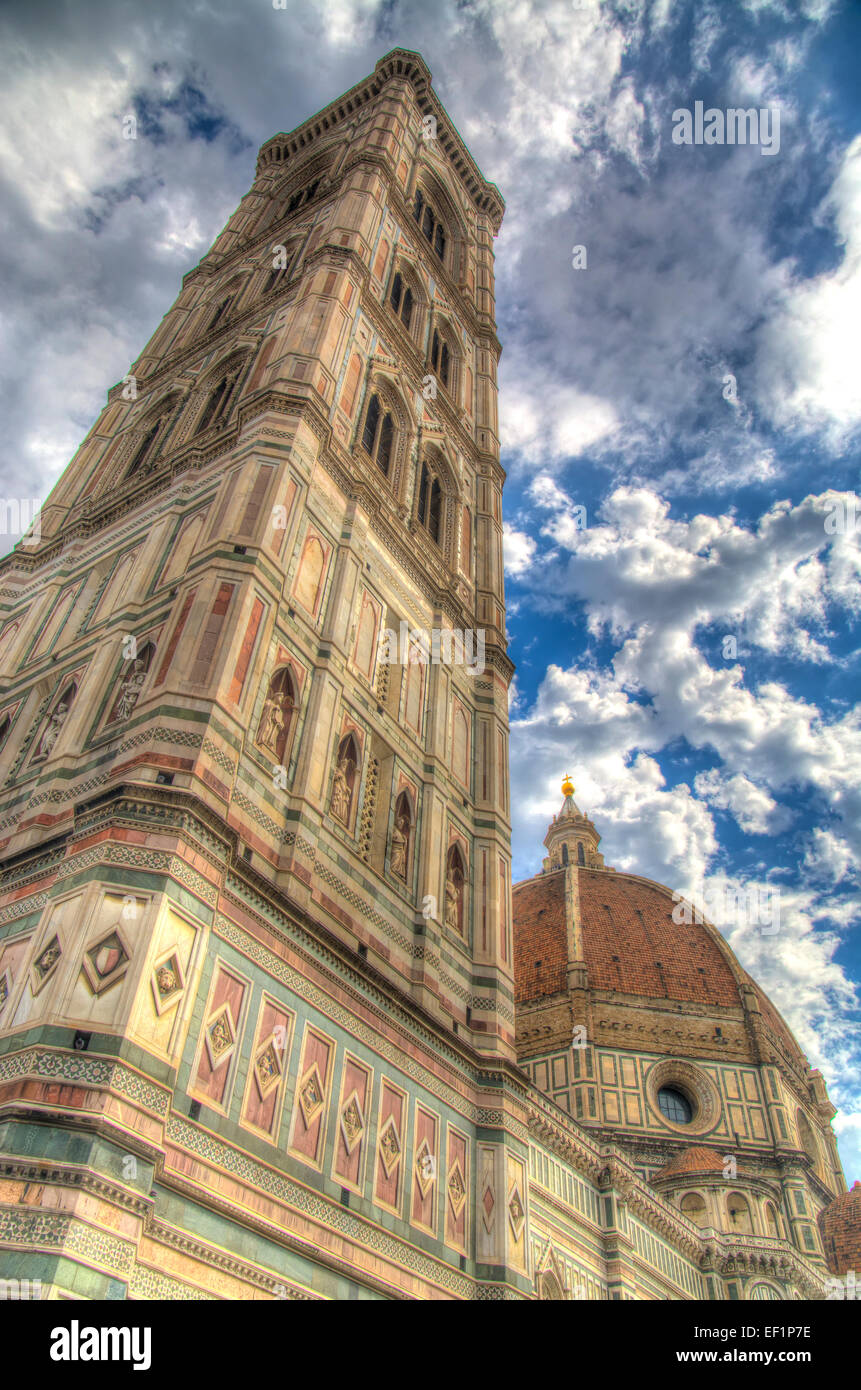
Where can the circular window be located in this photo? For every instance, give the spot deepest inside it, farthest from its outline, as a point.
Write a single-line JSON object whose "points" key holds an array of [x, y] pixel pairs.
{"points": [[675, 1106], [682, 1096]]}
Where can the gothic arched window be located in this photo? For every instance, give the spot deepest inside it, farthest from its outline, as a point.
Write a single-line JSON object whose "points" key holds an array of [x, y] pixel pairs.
{"points": [[440, 358], [148, 449], [401, 300], [430, 503], [378, 435], [564, 854], [581, 856], [430, 224], [273, 731], [216, 405]]}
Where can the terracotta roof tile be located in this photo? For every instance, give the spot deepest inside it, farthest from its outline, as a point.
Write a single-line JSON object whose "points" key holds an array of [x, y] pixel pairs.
{"points": [[696, 1159], [540, 949]]}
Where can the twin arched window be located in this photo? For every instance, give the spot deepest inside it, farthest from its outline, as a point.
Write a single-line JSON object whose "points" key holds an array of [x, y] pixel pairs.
{"points": [[218, 402], [401, 300], [430, 504], [378, 435], [430, 224], [146, 450]]}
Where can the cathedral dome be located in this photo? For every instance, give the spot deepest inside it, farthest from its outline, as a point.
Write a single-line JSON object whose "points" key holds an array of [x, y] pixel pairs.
{"points": [[840, 1227], [696, 1159], [632, 947]]}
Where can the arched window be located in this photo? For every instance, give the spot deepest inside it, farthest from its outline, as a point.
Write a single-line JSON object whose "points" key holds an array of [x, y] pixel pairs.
{"points": [[402, 831], [435, 511], [378, 435], [344, 782], [694, 1208], [277, 278], [430, 503], [430, 224], [549, 1288], [217, 404], [455, 879], [384, 448], [772, 1225], [401, 300], [581, 854], [279, 707], [372, 420], [564, 854], [221, 312], [738, 1212], [397, 292], [146, 450], [443, 365]]}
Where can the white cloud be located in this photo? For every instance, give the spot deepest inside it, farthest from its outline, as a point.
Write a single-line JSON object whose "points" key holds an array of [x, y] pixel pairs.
{"points": [[808, 377]]}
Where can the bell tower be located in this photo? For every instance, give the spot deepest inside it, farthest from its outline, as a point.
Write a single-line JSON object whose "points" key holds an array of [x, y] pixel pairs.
{"points": [[254, 804], [290, 514]]}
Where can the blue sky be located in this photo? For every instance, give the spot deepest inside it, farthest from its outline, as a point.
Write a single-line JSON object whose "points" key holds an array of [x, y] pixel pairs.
{"points": [[706, 766]]}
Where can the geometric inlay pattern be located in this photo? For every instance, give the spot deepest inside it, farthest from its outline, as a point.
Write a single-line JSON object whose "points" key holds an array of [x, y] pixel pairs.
{"points": [[390, 1146], [352, 1122], [516, 1214], [312, 1095], [167, 981], [106, 962], [220, 1036], [456, 1188], [45, 964]]}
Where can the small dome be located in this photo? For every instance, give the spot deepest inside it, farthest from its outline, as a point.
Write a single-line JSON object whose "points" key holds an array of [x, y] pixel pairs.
{"points": [[696, 1159], [840, 1228]]}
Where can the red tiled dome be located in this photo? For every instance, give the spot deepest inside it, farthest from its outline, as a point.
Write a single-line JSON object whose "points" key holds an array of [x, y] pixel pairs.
{"points": [[631, 946], [696, 1159], [840, 1227]]}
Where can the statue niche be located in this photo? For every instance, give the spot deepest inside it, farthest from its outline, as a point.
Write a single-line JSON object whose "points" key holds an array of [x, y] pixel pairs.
{"points": [[344, 783], [454, 885], [279, 708], [399, 855], [131, 682], [56, 719]]}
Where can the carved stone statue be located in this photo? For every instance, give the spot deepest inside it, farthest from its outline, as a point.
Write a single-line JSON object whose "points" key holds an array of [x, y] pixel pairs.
{"points": [[272, 721], [130, 690], [341, 795], [452, 901], [400, 841], [52, 733]]}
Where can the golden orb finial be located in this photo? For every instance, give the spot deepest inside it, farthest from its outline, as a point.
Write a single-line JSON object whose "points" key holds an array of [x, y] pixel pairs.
{"points": [[568, 786]]}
